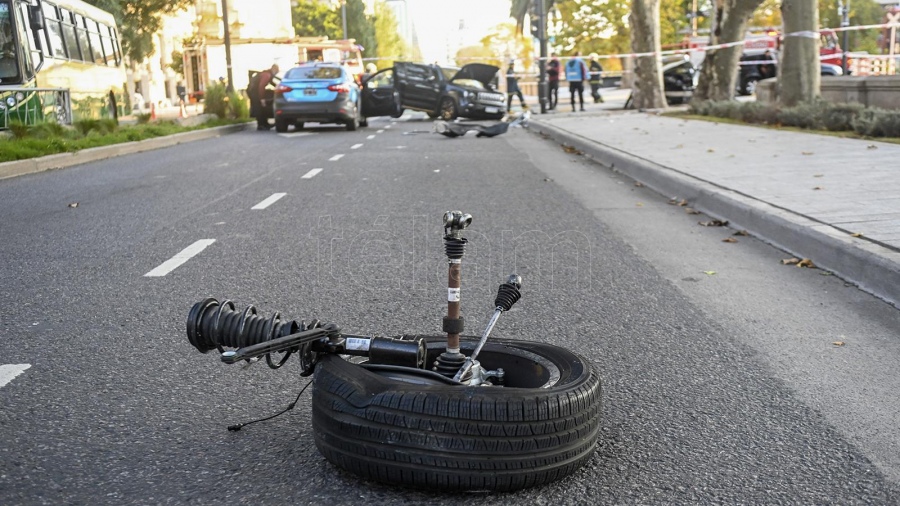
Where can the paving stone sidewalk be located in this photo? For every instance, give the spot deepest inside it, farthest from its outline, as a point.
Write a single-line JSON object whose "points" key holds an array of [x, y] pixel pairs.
{"points": [[833, 200]]}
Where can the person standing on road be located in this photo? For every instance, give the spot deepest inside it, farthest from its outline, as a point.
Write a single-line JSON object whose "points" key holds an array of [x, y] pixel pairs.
{"points": [[512, 88], [264, 97], [596, 78], [552, 81], [576, 73]]}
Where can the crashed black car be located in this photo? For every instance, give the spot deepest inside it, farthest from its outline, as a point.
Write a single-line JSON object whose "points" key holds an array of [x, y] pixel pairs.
{"points": [[444, 92]]}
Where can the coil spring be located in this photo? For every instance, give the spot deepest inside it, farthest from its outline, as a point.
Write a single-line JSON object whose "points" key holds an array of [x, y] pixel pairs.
{"points": [[214, 325], [455, 247]]}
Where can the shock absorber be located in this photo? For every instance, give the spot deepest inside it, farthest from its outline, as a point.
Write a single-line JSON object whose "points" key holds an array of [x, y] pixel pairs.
{"points": [[214, 325], [449, 362]]}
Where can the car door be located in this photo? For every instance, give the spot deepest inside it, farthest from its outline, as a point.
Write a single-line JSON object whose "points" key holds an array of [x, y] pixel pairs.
{"points": [[419, 85], [379, 95]]}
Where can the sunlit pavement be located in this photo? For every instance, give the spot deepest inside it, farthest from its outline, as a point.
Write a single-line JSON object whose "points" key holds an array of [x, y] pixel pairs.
{"points": [[832, 200]]}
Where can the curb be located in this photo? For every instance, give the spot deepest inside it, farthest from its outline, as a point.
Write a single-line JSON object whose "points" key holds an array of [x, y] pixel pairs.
{"points": [[63, 160], [870, 266]]}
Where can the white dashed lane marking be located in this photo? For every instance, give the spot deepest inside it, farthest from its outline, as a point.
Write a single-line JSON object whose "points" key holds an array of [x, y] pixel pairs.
{"points": [[269, 201], [311, 174], [356, 146], [380, 131], [182, 257], [371, 137], [10, 371], [335, 158], [295, 134]]}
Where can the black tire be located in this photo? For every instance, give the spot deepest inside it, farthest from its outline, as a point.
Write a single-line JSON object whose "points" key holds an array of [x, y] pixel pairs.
{"points": [[429, 434], [447, 111], [353, 123], [281, 125], [364, 122], [398, 107]]}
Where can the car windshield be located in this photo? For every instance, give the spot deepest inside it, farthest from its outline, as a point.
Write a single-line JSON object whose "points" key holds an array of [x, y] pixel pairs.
{"points": [[449, 72], [9, 66], [307, 73]]}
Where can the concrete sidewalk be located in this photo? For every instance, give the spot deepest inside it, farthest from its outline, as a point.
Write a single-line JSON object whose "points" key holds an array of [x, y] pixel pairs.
{"points": [[835, 201]]}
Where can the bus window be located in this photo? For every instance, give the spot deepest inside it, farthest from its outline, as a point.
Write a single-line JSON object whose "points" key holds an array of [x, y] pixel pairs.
{"points": [[83, 39], [116, 47], [9, 66], [108, 48], [53, 31], [25, 42], [68, 29], [96, 48]]}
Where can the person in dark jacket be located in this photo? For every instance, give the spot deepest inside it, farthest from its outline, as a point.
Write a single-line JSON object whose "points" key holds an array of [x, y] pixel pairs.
{"points": [[596, 78], [263, 97], [512, 88], [553, 81]]}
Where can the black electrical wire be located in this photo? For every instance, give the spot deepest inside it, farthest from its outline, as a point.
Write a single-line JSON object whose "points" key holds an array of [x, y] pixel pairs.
{"points": [[237, 427]]}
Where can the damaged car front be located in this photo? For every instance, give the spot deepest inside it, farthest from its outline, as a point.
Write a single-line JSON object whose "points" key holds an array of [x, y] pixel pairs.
{"points": [[474, 87]]}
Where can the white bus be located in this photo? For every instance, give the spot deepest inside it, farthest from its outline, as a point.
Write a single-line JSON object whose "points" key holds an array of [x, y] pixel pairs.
{"points": [[58, 58]]}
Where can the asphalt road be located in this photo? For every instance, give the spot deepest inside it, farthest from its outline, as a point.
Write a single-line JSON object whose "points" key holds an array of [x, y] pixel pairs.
{"points": [[718, 388]]}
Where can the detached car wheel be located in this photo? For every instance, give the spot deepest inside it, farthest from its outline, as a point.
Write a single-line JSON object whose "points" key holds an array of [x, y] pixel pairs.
{"points": [[398, 428]]}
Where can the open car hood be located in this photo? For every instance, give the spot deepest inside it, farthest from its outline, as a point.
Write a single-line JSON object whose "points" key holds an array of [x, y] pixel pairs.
{"points": [[480, 72]]}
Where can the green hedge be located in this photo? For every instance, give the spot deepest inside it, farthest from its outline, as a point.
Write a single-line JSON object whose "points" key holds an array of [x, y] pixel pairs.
{"points": [[815, 115]]}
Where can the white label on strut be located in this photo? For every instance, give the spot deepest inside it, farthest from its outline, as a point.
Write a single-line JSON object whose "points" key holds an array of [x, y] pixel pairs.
{"points": [[355, 343], [453, 295]]}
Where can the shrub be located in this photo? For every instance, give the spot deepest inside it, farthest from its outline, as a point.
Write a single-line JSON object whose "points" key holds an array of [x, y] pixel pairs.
{"points": [[877, 123], [143, 118], [224, 105], [839, 117], [19, 130], [47, 130]]}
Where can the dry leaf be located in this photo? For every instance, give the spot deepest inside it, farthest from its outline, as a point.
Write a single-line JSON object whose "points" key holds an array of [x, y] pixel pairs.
{"points": [[638, 184], [729, 239], [709, 273], [790, 261], [818, 175], [741, 233], [73, 204], [818, 188], [547, 180], [871, 146], [640, 204], [710, 150], [713, 223], [858, 234], [806, 263], [838, 343], [806, 152], [691, 210], [683, 203], [679, 146], [673, 201], [571, 149]]}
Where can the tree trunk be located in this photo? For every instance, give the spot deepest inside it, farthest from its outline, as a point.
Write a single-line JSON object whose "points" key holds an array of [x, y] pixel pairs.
{"points": [[718, 77], [799, 70], [648, 86]]}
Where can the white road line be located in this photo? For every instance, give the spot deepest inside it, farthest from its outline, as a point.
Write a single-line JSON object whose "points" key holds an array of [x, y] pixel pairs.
{"points": [[182, 257], [371, 137], [10, 371], [295, 134], [269, 201], [311, 174], [335, 158], [380, 131], [356, 146]]}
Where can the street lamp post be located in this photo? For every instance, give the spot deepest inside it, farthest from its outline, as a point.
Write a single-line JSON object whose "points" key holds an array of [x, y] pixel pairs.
{"points": [[344, 17], [230, 85], [844, 11], [542, 63]]}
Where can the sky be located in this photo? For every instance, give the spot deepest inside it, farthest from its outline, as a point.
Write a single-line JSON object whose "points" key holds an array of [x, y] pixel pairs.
{"points": [[438, 24]]}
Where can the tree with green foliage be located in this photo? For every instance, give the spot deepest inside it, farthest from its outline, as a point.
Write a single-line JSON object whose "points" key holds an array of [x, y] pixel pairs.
{"points": [[359, 27], [389, 45], [314, 18], [139, 21], [501, 44]]}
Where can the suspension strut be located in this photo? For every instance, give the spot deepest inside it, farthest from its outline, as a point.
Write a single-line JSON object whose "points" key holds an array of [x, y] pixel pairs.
{"points": [[449, 362], [214, 325]]}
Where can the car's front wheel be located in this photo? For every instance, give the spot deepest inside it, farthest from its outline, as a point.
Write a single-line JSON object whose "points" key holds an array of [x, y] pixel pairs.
{"points": [[447, 110], [416, 428]]}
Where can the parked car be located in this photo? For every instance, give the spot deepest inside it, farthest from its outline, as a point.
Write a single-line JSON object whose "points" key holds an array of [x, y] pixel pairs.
{"points": [[445, 92], [317, 92], [756, 66], [679, 79]]}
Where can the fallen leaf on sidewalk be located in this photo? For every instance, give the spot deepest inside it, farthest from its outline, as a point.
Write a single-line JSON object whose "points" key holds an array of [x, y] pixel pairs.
{"points": [[741, 233], [548, 180], [571, 149], [691, 210], [790, 261], [713, 223], [73, 204], [806, 263], [674, 201], [638, 184], [839, 343], [640, 204], [709, 273], [826, 273], [818, 175], [710, 150], [806, 153], [818, 188], [871, 146], [858, 234], [729, 239], [679, 146]]}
